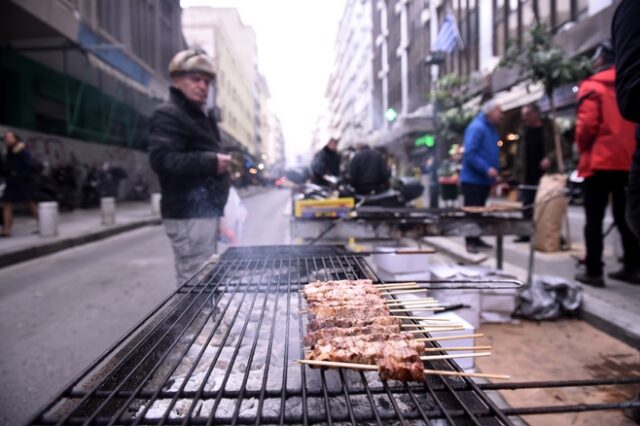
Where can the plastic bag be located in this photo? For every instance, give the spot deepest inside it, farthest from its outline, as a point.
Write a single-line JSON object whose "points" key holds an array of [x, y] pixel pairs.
{"points": [[235, 215], [548, 298]]}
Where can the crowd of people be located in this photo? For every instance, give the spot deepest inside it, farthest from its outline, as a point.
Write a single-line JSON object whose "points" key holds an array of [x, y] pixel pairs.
{"points": [[605, 142]]}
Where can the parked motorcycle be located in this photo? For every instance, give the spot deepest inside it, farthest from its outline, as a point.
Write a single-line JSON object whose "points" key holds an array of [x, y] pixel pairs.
{"points": [[402, 192]]}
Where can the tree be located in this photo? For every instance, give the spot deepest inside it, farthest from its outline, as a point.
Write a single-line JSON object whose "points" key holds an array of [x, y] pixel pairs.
{"points": [[451, 95], [541, 61]]}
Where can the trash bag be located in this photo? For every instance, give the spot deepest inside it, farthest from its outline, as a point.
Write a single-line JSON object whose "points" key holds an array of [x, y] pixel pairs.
{"points": [[549, 298]]}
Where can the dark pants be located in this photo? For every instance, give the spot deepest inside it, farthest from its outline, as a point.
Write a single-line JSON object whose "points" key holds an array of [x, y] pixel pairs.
{"points": [[597, 189], [528, 197], [474, 195], [633, 197]]}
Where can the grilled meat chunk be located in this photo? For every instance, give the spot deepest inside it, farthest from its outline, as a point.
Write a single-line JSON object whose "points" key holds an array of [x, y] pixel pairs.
{"points": [[350, 312], [318, 324]]}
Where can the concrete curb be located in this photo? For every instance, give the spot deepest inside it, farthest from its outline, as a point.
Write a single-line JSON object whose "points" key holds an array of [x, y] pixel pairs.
{"points": [[45, 248], [37, 250]]}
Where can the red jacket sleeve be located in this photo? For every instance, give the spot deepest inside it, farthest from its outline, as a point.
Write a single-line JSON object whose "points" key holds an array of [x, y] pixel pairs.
{"points": [[588, 117]]}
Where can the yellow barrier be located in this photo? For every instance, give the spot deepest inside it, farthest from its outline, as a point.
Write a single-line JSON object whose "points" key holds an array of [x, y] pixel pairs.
{"points": [[331, 207]]}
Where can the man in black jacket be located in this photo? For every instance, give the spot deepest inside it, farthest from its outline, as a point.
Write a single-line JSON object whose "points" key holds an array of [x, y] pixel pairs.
{"points": [[326, 162], [369, 171], [184, 150], [626, 46]]}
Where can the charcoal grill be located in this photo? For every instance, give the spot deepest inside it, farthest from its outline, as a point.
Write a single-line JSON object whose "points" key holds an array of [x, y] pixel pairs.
{"points": [[220, 350]]}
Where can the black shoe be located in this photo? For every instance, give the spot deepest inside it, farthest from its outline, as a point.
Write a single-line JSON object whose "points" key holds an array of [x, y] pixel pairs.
{"points": [[473, 249], [482, 245], [592, 280], [631, 277], [522, 239]]}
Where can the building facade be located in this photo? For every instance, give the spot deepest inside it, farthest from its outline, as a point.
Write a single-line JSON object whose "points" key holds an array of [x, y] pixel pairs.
{"points": [[86, 71], [350, 88], [404, 33]]}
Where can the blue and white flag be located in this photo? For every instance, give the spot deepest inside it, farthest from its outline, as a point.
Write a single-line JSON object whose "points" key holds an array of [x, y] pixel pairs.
{"points": [[448, 36]]}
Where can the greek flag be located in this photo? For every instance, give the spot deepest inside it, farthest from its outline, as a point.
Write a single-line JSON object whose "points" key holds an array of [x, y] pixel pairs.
{"points": [[448, 36]]}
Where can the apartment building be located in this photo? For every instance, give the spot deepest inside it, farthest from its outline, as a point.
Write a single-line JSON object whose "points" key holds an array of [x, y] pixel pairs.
{"points": [[87, 69], [350, 88], [404, 33]]}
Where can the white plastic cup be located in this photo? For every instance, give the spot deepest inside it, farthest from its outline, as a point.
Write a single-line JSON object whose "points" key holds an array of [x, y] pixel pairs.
{"points": [[108, 209], [48, 219], [155, 203]]}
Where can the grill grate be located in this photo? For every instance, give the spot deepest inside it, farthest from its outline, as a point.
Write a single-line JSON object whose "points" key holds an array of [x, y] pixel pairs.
{"points": [[220, 350]]}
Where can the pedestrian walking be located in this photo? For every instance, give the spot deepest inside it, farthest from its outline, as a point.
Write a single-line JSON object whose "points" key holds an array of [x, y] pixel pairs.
{"points": [[20, 171], [369, 171], [185, 152], [480, 162], [326, 162], [626, 42], [606, 142], [535, 155]]}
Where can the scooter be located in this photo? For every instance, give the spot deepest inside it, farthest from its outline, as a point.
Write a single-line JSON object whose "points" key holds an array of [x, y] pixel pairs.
{"points": [[402, 192]]}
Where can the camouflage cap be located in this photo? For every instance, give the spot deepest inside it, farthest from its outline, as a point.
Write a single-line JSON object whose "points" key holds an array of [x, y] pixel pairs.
{"points": [[192, 60]]}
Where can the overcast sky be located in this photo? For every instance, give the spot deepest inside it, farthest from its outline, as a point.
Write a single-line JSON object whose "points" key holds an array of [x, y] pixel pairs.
{"points": [[295, 52]]}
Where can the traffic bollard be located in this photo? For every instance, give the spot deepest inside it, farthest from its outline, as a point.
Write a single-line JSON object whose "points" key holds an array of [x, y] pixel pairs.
{"points": [[108, 209], [155, 203], [48, 219]]}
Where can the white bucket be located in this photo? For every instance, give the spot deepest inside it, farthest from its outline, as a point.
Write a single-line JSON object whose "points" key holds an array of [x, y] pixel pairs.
{"points": [[108, 209], [155, 203], [48, 219]]}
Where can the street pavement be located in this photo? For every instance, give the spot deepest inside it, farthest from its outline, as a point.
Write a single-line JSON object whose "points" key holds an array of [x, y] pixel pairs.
{"points": [[59, 312], [613, 309]]}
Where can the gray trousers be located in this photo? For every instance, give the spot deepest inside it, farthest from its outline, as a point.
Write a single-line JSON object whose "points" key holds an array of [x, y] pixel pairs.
{"points": [[193, 242]]}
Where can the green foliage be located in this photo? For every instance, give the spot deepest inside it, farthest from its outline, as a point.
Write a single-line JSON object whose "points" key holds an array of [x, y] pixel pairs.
{"points": [[539, 60], [450, 96]]}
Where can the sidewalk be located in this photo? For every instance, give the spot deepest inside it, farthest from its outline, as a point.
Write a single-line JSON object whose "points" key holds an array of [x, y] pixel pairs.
{"points": [[79, 227], [613, 309]]}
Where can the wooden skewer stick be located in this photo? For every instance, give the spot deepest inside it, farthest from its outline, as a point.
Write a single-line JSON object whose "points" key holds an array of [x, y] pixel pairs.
{"points": [[413, 283], [429, 329], [411, 302], [418, 308], [399, 287], [461, 374], [452, 356], [429, 325], [459, 336], [375, 368], [421, 326], [415, 290], [423, 318], [459, 348]]}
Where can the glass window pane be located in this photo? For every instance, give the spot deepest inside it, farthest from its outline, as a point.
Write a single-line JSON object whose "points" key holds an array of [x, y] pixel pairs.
{"points": [[563, 12]]}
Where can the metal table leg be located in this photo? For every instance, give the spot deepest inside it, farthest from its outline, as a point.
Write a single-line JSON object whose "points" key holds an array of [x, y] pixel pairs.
{"points": [[499, 250]]}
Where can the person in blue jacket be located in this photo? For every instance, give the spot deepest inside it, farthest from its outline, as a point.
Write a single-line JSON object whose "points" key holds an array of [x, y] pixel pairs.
{"points": [[480, 162]]}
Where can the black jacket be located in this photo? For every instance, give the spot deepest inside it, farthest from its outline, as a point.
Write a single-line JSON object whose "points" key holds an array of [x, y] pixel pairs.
{"points": [[325, 162], [183, 142], [625, 34], [369, 172]]}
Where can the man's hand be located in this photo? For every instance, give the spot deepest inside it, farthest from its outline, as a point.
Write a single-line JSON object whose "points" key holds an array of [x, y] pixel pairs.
{"points": [[545, 164], [492, 172], [223, 163]]}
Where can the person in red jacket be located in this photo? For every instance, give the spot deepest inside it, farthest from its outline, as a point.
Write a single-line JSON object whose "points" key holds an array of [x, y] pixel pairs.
{"points": [[606, 144]]}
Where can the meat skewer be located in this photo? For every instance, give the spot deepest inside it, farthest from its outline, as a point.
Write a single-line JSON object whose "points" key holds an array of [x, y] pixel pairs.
{"points": [[350, 322]]}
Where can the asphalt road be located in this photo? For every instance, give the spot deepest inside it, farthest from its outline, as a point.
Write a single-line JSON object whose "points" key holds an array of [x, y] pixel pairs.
{"points": [[59, 313]]}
